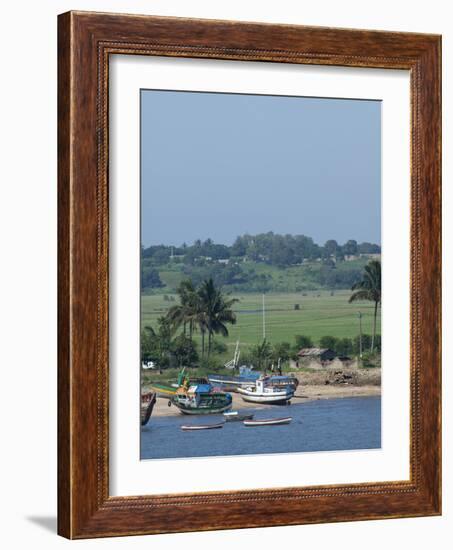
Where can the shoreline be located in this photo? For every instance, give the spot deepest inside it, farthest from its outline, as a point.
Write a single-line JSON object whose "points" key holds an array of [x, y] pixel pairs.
{"points": [[304, 394]]}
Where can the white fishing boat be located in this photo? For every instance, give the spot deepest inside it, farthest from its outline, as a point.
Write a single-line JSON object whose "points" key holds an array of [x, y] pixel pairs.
{"points": [[190, 427], [263, 392], [268, 421]]}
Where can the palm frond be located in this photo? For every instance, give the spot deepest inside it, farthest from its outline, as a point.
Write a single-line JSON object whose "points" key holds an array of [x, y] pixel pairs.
{"points": [[150, 330], [369, 287], [360, 295]]}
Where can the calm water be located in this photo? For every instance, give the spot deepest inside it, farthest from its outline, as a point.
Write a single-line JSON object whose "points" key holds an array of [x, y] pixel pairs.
{"points": [[325, 425]]}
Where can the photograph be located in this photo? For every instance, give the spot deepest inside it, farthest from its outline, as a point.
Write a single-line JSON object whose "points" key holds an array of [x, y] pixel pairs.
{"points": [[260, 274], [203, 196]]}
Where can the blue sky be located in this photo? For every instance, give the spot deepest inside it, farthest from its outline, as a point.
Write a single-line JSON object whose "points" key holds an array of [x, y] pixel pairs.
{"points": [[221, 165]]}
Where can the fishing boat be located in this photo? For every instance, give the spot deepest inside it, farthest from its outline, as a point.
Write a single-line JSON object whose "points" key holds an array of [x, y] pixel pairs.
{"points": [[201, 399], [198, 396], [263, 392], [195, 427], [268, 421], [235, 416], [194, 395], [250, 378]]}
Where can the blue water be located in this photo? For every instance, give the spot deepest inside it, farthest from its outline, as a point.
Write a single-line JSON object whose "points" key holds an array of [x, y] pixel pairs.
{"points": [[324, 425]]}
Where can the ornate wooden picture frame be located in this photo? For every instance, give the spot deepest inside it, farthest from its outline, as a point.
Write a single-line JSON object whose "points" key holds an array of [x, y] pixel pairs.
{"points": [[85, 42]]}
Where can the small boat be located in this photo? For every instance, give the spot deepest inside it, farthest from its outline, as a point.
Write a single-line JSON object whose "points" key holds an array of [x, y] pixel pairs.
{"points": [[268, 421], [147, 406], [235, 416], [191, 427], [263, 392]]}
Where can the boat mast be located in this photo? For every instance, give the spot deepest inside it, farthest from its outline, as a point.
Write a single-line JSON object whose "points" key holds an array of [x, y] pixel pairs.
{"points": [[264, 321], [236, 355]]}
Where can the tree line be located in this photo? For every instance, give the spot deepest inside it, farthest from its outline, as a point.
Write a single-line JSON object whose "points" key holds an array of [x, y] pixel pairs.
{"points": [[234, 266], [272, 248], [170, 349]]}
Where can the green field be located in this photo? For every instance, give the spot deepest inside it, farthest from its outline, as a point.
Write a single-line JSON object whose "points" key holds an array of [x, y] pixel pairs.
{"points": [[293, 279], [320, 314]]}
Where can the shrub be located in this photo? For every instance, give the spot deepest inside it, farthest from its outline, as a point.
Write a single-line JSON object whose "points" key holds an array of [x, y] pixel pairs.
{"points": [[151, 279], [303, 341], [371, 360], [344, 346], [366, 344], [281, 351], [328, 342], [218, 347], [185, 351]]}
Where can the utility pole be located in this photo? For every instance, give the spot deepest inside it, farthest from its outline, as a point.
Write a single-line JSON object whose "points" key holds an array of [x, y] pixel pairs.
{"points": [[360, 333]]}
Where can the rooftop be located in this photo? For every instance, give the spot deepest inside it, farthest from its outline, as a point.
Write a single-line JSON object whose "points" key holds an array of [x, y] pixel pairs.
{"points": [[308, 352]]}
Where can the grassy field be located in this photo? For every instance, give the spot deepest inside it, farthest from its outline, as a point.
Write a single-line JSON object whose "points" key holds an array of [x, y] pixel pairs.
{"points": [[320, 314], [294, 279]]}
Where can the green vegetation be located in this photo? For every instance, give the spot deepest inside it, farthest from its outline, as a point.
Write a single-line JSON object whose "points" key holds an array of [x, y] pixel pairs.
{"points": [[320, 314], [205, 309], [261, 355], [257, 263], [198, 301], [369, 288], [151, 278], [257, 277], [216, 312], [165, 347]]}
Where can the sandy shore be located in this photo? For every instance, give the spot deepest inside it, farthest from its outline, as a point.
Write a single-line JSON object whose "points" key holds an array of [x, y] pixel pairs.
{"points": [[304, 394]]}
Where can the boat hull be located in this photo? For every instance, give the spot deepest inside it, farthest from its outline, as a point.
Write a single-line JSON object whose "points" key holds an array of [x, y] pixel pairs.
{"points": [[147, 406], [260, 399], [268, 422], [196, 402], [163, 390], [201, 427], [203, 410], [268, 397]]}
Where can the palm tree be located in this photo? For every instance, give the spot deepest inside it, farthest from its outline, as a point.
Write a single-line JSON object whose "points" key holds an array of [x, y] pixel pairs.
{"points": [[184, 313], [200, 320], [369, 288], [214, 312]]}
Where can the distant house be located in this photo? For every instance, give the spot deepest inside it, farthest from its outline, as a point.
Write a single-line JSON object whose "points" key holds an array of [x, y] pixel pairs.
{"points": [[321, 354]]}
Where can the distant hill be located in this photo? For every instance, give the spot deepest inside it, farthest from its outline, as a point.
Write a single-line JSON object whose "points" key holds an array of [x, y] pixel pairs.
{"points": [[266, 262]]}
